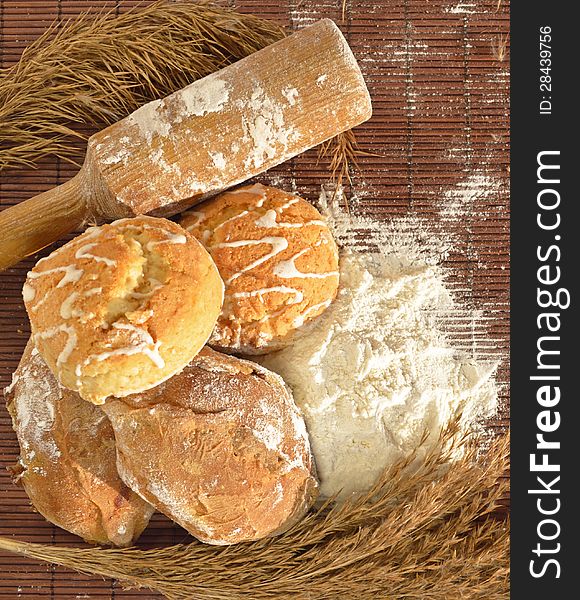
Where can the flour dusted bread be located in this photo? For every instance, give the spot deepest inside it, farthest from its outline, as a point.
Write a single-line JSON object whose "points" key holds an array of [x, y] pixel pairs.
{"points": [[220, 448], [277, 258], [67, 459], [123, 307]]}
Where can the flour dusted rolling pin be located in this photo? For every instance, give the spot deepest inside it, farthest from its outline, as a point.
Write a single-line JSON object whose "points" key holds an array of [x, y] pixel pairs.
{"points": [[214, 133]]}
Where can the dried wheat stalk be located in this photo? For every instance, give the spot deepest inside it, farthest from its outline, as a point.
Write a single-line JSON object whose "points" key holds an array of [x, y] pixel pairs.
{"points": [[424, 533], [499, 47], [96, 69]]}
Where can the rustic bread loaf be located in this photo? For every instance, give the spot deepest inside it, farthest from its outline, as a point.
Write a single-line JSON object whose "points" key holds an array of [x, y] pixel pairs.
{"points": [[278, 260], [220, 448], [123, 307], [67, 459]]}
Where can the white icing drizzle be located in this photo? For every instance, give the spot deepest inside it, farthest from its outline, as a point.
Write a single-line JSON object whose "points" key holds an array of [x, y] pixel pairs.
{"points": [[139, 346], [93, 291], [300, 319], [234, 218], [279, 244], [268, 219], [155, 285], [288, 204], [257, 189], [83, 252], [271, 316], [152, 353], [89, 233], [71, 274], [286, 269], [41, 302], [172, 238], [282, 289], [142, 335], [28, 293], [141, 342], [66, 310], [199, 215], [78, 373], [70, 344]]}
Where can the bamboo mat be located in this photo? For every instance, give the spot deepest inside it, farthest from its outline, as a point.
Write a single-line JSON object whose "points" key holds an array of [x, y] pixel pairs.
{"points": [[438, 73]]}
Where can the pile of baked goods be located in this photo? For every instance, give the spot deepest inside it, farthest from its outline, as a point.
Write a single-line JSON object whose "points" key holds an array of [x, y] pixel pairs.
{"points": [[131, 395]]}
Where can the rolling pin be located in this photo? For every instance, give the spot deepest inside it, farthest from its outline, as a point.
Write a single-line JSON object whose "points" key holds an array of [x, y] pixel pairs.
{"points": [[213, 134]]}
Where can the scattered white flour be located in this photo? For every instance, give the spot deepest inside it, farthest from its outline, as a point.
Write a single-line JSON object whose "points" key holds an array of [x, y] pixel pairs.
{"points": [[199, 98], [265, 128], [467, 8], [269, 435], [149, 121], [35, 413], [218, 159], [376, 371], [207, 95], [463, 199], [290, 94]]}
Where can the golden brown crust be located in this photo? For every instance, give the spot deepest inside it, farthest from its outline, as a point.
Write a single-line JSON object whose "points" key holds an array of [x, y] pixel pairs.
{"points": [[220, 448], [67, 463], [123, 307], [277, 258]]}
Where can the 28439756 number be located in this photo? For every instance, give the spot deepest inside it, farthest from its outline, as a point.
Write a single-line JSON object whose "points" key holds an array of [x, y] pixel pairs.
{"points": [[545, 59]]}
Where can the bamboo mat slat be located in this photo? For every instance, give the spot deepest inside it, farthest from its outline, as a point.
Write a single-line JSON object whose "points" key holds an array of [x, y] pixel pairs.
{"points": [[438, 73]]}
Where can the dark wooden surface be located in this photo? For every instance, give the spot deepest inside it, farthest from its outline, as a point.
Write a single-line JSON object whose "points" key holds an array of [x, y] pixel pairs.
{"points": [[438, 72]]}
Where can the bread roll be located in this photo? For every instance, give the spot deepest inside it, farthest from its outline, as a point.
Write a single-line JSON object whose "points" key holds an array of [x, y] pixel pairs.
{"points": [[67, 459], [220, 448], [278, 260], [122, 307]]}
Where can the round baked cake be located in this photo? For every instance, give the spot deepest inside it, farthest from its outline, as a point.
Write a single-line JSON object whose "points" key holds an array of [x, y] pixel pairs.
{"points": [[277, 258], [122, 307], [220, 448], [67, 459]]}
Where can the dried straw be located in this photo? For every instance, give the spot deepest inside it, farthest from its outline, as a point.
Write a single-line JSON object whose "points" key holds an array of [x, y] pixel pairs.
{"points": [[96, 69], [428, 532], [343, 152], [499, 47]]}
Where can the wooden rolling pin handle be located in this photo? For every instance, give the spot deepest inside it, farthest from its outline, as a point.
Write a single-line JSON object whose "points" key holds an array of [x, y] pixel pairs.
{"points": [[33, 224]]}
